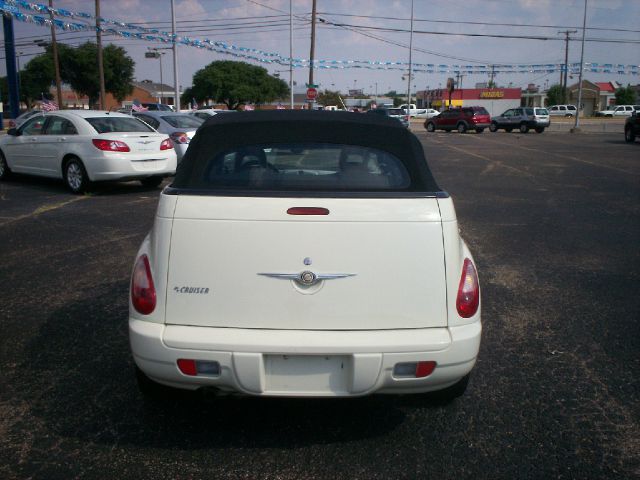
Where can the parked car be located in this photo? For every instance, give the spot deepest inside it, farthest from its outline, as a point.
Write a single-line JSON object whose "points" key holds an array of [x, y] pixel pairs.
{"points": [[522, 118], [22, 118], [427, 113], [307, 254], [562, 110], [616, 111], [84, 146], [162, 107], [205, 113], [181, 127], [632, 127], [460, 119], [397, 113]]}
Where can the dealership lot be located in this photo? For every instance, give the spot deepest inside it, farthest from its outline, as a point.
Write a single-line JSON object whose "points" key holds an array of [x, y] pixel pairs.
{"points": [[554, 224]]}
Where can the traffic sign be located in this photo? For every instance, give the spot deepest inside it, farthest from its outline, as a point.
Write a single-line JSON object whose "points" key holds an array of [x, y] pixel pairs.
{"points": [[312, 93]]}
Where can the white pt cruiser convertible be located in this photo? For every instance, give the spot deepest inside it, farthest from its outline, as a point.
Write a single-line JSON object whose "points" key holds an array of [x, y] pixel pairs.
{"points": [[305, 253]]}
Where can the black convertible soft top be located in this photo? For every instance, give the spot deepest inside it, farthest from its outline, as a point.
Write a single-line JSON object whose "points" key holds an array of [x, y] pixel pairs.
{"points": [[229, 130]]}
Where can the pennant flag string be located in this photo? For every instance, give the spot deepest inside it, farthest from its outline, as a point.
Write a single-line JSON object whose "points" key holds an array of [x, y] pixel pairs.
{"points": [[34, 15]]}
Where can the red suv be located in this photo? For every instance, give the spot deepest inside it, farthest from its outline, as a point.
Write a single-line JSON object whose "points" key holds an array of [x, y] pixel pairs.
{"points": [[461, 119]]}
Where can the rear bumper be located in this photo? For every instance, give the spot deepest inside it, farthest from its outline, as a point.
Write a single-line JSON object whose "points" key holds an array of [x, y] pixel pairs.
{"points": [[115, 166], [246, 357]]}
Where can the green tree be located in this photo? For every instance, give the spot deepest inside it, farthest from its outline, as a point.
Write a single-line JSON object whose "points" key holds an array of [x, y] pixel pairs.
{"points": [[36, 78], [236, 83], [79, 68], [556, 95], [329, 97], [626, 96]]}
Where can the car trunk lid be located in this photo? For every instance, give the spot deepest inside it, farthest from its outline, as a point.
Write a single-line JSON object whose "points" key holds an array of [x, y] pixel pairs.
{"points": [[236, 262]]}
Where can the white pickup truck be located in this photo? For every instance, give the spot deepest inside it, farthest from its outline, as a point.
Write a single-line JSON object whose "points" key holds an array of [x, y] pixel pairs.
{"points": [[420, 112], [306, 254]]}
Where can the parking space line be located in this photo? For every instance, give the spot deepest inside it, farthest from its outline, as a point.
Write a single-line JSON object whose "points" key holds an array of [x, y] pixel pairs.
{"points": [[42, 209], [559, 155]]}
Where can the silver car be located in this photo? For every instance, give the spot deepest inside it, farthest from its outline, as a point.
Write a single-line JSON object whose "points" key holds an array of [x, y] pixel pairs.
{"points": [[522, 118], [181, 127]]}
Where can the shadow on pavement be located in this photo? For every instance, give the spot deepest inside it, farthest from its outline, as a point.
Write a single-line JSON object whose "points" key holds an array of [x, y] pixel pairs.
{"points": [[77, 375]]}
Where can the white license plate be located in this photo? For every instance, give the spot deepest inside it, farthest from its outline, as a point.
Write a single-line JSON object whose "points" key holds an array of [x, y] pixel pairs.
{"points": [[302, 374]]}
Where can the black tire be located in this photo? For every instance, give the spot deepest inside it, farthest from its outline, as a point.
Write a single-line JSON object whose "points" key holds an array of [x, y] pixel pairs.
{"points": [[493, 127], [5, 171], [508, 129], [524, 128], [462, 128], [628, 135], [539, 129], [449, 394], [153, 391], [431, 127], [75, 176], [151, 182], [479, 130]]}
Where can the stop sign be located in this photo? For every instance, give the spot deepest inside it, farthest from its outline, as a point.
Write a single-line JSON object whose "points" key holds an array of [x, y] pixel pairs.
{"points": [[312, 93]]}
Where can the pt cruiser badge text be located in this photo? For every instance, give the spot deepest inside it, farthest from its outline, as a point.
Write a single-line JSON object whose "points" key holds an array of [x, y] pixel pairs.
{"points": [[193, 290]]}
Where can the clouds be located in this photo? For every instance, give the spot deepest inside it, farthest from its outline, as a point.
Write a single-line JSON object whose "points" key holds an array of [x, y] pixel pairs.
{"points": [[248, 24]]}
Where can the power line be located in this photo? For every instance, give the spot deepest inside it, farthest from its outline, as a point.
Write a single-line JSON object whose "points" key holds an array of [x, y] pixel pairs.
{"points": [[458, 22]]}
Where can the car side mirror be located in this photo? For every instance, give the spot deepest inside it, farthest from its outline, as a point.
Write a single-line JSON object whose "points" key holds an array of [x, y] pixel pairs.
{"points": [[13, 132]]}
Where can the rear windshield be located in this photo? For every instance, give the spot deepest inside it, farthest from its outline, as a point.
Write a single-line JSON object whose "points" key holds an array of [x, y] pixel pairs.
{"points": [[480, 111], [323, 167], [182, 121], [118, 124]]}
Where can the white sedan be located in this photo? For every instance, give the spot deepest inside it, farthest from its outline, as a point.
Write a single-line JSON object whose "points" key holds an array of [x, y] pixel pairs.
{"points": [[304, 254], [84, 146]]}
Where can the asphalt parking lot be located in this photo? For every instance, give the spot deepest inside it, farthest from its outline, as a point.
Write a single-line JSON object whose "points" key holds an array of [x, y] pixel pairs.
{"points": [[553, 221]]}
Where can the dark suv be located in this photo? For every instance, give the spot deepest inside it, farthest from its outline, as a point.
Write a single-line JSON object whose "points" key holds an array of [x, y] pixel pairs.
{"points": [[461, 119], [632, 127], [522, 118]]}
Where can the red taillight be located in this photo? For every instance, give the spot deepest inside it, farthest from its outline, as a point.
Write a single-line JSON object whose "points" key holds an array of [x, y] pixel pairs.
{"points": [[468, 291], [143, 292], [179, 137], [308, 211], [166, 144], [111, 145]]}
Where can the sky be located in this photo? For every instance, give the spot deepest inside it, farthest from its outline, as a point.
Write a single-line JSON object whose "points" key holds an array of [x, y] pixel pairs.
{"points": [[372, 30]]}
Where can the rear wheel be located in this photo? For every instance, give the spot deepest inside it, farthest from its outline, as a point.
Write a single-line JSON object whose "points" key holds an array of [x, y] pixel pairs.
{"points": [[151, 182], [539, 129], [153, 391], [493, 127], [524, 128], [479, 130], [431, 127], [628, 135], [75, 176], [449, 394], [462, 128], [5, 172]]}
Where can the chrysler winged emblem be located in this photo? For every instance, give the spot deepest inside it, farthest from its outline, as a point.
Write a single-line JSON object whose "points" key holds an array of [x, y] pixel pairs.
{"points": [[307, 278]]}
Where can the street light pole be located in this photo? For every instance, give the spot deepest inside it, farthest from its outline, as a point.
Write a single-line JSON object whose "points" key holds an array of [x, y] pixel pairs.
{"points": [[175, 58], [291, 53]]}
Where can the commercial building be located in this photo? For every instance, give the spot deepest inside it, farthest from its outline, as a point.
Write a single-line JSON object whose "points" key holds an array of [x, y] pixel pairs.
{"points": [[495, 100]]}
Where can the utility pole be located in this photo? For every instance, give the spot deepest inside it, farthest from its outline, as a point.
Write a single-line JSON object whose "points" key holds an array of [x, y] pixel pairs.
{"points": [[176, 85], [563, 82], [56, 62], [313, 47], [576, 127], [410, 63], [103, 95], [291, 53], [492, 75]]}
